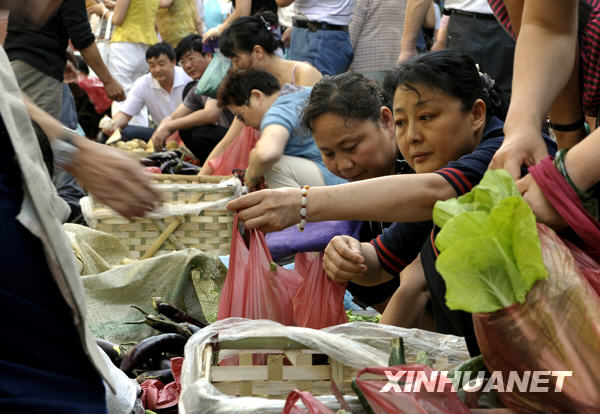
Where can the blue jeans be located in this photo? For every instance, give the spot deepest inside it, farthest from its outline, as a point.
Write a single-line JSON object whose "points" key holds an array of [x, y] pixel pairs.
{"points": [[330, 51], [134, 131]]}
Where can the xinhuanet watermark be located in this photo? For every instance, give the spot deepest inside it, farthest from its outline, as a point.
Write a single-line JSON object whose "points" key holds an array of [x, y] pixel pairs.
{"points": [[438, 381]]}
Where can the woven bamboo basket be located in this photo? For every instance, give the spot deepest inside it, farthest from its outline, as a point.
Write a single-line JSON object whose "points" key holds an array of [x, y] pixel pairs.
{"points": [[272, 367], [193, 215]]}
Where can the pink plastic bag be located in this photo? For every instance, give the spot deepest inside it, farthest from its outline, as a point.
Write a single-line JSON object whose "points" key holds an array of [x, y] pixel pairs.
{"points": [[237, 155], [319, 302], [566, 202], [314, 406], [156, 395], [438, 399], [558, 327], [252, 290], [95, 91]]}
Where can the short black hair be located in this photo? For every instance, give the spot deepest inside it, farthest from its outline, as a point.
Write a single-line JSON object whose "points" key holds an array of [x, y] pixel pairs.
{"points": [[453, 73], [350, 95], [190, 43], [238, 83], [246, 32], [162, 48]]}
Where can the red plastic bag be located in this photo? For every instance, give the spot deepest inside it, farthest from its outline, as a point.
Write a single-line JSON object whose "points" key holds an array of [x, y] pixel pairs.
{"points": [[237, 155], [95, 91], [433, 396], [556, 329], [252, 290], [319, 302], [566, 202], [314, 406], [156, 395]]}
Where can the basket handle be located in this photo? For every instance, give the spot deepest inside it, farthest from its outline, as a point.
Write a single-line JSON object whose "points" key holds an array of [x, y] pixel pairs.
{"points": [[168, 231]]}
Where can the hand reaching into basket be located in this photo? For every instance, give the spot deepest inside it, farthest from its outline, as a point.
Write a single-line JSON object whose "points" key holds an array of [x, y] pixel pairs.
{"points": [[113, 177]]}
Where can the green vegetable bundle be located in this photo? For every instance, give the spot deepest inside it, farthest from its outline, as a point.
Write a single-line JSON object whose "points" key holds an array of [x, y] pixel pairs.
{"points": [[491, 257], [490, 251]]}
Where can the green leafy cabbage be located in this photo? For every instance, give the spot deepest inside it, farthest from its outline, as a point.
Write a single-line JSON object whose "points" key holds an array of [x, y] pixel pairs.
{"points": [[490, 254]]}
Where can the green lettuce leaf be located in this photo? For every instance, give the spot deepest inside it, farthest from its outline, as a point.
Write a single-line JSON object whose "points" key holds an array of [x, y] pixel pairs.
{"points": [[491, 190], [490, 251]]}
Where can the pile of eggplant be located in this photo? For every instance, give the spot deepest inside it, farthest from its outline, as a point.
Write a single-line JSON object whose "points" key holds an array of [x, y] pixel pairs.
{"points": [[150, 358], [169, 162]]}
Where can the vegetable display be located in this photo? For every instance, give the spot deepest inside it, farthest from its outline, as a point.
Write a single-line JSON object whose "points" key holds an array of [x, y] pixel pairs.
{"points": [[170, 162]]}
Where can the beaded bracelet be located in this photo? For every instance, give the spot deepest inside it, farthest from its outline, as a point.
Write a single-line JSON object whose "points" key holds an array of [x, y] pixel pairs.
{"points": [[303, 202]]}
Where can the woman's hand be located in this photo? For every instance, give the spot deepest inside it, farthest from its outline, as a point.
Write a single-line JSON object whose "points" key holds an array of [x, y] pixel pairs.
{"points": [[523, 148], [343, 260], [98, 9], [543, 210], [213, 33], [269, 210]]}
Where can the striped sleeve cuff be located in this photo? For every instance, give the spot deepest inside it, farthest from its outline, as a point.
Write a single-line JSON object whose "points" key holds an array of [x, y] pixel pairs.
{"points": [[389, 261], [457, 179]]}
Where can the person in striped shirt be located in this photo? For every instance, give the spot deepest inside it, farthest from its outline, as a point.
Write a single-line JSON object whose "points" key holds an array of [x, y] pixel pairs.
{"points": [[448, 126]]}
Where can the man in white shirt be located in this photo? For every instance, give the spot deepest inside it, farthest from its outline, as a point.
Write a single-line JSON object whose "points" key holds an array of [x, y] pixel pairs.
{"points": [[320, 34], [160, 90], [200, 122]]}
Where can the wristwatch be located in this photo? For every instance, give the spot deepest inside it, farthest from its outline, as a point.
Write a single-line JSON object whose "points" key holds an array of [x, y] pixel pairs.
{"points": [[64, 148]]}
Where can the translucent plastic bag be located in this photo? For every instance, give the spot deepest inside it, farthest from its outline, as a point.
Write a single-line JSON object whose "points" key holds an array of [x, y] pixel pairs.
{"points": [[213, 75], [319, 302], [314, 406], [95, 91], [556, 329], [440, 399], [237, 155], [255, 287], [355, 344]]}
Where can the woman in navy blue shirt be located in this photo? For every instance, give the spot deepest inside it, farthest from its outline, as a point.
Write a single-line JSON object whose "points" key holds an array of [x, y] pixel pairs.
{"points": [[448, 127]]}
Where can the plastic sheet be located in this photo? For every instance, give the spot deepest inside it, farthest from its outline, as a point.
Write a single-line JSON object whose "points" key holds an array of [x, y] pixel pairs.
{"points": [[445, 352], [237, 155], [556, 329], [319, 301], [345, 343], [438, 401]]}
